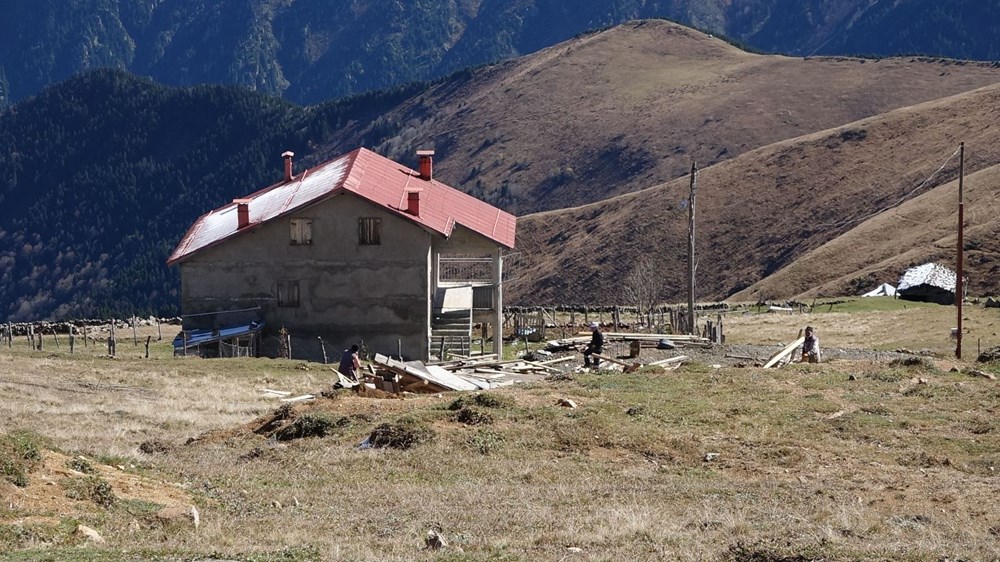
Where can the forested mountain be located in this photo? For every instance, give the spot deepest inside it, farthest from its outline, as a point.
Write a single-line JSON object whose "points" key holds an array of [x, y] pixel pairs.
{"points": [[101, 174], [314, 50]]}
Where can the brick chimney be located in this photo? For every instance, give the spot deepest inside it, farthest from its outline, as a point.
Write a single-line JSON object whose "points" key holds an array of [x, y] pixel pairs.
{"points": [[287, 155], [242, 213], [413, 201], [426, 164]]}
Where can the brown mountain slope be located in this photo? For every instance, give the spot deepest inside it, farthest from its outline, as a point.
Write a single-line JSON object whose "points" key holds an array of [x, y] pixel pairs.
{"points": [[630, 107], [761, 211], [880, 249]]}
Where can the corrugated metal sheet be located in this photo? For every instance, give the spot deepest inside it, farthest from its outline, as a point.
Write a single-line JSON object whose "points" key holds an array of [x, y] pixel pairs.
{"points": [[367, 175]]}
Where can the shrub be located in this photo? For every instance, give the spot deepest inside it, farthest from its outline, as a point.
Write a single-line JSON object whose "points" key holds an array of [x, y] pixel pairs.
{"points": [[484, 399], [93, 488], [20, 452], [403, 434], [473, 416], [310, 425], [486, 441]]}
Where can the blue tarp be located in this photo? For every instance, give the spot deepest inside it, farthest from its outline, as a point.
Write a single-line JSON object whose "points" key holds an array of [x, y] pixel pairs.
{"points": [[202, 337]]}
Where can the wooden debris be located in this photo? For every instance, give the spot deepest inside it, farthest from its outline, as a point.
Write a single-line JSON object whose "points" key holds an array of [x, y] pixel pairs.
{"points": [[629, 367], [301, 398], [776, 359], [673, 360]]}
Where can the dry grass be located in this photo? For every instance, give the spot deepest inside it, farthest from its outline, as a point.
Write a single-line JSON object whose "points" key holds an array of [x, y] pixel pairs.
{"points": [[809, 463], [917, 327]]}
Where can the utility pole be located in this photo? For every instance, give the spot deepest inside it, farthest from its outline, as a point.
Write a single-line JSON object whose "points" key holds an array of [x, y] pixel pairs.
{"points": [[694, 189], [959, 289]]}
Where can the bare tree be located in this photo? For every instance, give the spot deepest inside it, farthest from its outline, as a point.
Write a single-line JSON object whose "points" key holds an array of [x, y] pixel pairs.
{"points": [[643, 286]]}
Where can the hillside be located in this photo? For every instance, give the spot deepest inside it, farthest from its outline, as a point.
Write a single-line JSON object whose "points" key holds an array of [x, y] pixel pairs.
{"points": [[100, 175], [771, 207], [309, 51], [630, 107], [920, 230]]}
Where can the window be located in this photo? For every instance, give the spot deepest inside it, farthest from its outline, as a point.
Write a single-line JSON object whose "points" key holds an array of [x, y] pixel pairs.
{"points": [[288, 293], [302, 232], [369, 232]]}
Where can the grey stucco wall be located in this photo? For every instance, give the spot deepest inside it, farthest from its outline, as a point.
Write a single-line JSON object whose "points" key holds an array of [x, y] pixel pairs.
{"points": [[348, 291]]}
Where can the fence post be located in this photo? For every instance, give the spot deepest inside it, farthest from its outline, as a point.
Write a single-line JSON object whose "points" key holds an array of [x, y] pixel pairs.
{"points": [[147, 345], [322, 347]]}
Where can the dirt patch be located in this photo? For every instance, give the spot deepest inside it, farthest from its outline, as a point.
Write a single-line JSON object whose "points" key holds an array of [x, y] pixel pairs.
{"points": [[54, 487]]}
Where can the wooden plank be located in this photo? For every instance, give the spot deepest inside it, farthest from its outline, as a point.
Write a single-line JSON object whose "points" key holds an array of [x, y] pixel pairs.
{"points": [[275, 392], [679, 359], [784, 352], [554, 361], [299, 398]]}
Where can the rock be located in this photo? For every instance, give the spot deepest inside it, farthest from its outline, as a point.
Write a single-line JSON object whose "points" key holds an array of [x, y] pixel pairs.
{"points": [[566, 403], [852, 378], [574, 549], [180, 514], [435, 541], [709, 457], [984, 374], [90, 534]]}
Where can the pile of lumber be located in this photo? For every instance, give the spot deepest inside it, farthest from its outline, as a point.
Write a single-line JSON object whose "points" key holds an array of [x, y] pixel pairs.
{"points": [[396, 376]]}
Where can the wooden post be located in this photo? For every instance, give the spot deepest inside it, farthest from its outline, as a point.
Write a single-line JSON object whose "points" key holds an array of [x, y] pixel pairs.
{"points": [[147, 345], [10, 335], [322, 347], [961, 249], [135, 336], [72, 338], [39, 334], [85, 344], [159, 335], [184, 336], [691, 266], [55, 337]]}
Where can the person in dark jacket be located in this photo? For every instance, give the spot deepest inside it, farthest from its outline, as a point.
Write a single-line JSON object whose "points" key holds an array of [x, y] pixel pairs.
{"points": [[596, 346], [810, 347], [349, 363]]}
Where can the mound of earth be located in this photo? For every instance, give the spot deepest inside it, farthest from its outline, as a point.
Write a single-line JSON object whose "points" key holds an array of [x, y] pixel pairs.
{"points": [[60, 486]]}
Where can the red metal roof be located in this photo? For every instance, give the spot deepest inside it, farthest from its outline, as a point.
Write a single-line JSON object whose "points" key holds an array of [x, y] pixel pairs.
{"points": [[368, 175]]}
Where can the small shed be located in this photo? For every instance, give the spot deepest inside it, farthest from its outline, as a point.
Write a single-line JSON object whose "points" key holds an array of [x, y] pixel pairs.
{"points": [[930, 282]]}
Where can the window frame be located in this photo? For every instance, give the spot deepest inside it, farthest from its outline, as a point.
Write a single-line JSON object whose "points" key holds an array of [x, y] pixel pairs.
{"points": [[369, 231], [301, 231], [289, 294]]}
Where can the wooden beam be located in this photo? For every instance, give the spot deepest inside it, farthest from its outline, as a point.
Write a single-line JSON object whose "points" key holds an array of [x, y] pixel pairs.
{"points": [[777, 357]]}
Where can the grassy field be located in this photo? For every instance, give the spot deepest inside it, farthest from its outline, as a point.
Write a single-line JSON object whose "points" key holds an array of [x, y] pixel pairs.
{"points": [[837, 461]]}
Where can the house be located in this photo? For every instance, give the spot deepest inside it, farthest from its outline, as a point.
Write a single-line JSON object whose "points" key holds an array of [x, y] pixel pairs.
{"points": [[930, 282], [358, 249]]}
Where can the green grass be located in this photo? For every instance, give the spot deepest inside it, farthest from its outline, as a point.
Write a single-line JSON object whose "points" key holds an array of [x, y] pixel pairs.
{"points": [[867, 305]]}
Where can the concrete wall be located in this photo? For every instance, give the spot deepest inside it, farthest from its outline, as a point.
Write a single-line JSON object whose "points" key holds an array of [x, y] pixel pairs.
{"points": [[348, 292]]}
